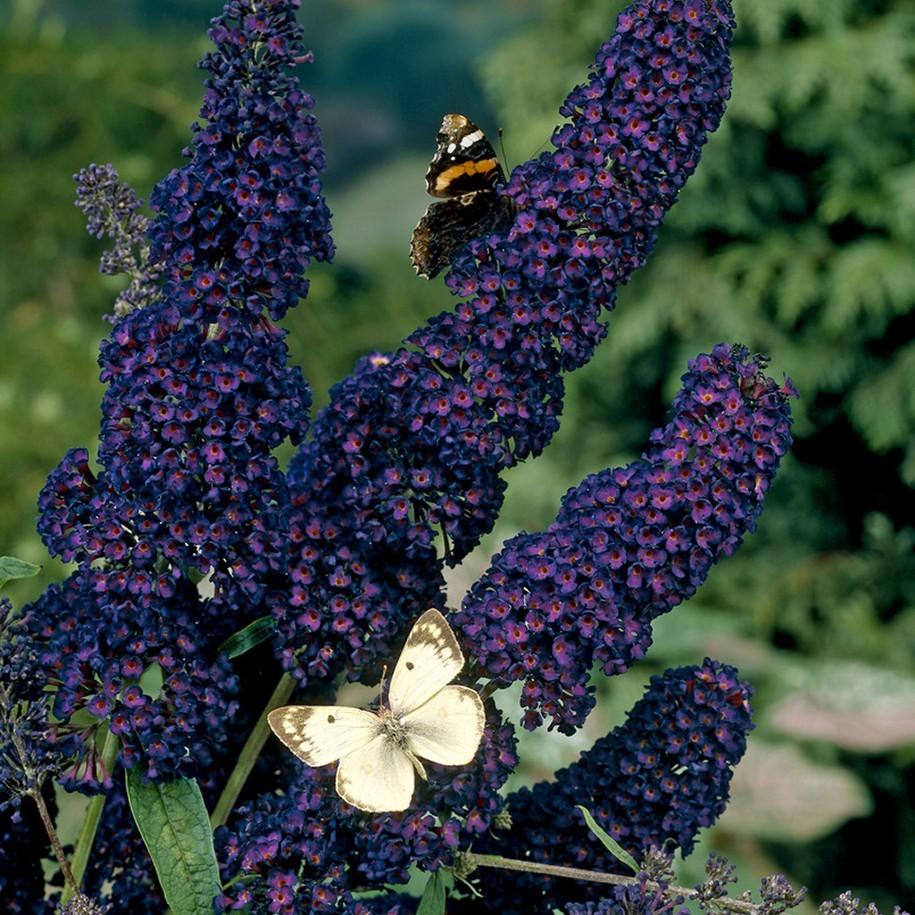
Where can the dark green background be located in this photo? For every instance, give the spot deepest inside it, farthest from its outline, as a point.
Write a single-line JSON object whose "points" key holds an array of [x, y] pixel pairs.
{"points": [[795, 237]]}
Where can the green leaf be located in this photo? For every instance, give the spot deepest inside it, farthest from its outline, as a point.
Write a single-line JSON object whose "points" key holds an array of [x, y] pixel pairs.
{"points": [[608, 842], [433, 901], [151, 681], [11, 568], [254, 633], [174, 824]]}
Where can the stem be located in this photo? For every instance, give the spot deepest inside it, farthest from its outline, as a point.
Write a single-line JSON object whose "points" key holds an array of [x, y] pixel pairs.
{"points": [[45, 815], [43, 812], [576, 873], [550, 870], [90, 824], [249, 753]]}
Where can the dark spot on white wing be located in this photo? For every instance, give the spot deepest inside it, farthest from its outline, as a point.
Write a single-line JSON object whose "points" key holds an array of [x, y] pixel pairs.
{"points": [[331, 719], [410, 665], [432, 630]]}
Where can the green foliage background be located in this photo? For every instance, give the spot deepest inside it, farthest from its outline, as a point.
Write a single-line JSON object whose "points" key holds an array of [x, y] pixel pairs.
{"points": [[795, 237]]}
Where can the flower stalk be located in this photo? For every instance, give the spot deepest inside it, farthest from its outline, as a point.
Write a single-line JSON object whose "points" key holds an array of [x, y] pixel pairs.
{"points": [[470, 861], [35, 793], [86, 837], [249, 753]]}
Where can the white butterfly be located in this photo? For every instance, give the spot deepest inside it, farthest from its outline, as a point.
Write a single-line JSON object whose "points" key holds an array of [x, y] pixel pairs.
{"points": [[378, 751]]}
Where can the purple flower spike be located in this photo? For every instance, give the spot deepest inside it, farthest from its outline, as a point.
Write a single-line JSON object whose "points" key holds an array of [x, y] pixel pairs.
{"points": [[630, 543], [246, 213], [589, 211], [190, 418], [658, 778], [97, 643], [412, 445], [112, 210], [199, 394]]}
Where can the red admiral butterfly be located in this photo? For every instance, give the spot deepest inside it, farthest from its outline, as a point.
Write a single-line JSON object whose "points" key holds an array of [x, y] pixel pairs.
{"points": [[466, 172]]}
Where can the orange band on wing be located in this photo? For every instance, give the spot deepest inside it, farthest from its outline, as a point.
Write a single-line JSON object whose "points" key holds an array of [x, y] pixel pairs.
{"points": [[464, 168]]}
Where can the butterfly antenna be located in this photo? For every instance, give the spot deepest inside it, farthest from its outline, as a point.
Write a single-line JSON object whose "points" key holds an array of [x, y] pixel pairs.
{"points": [[539, 149], [502, 151]]}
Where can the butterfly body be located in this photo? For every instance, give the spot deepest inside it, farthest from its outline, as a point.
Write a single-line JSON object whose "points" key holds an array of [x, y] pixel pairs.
{"points": [[425, 717], [465, 172]]}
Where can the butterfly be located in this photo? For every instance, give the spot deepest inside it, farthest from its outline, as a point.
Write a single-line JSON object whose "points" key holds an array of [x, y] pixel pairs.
{"points": [[379, 752], [465, 171]]}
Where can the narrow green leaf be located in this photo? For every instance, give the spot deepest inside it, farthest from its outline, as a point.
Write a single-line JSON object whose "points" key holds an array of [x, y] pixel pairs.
{"points": [[173, 822], [608, 841], [433, 901], [11, 568], [254, 633]]}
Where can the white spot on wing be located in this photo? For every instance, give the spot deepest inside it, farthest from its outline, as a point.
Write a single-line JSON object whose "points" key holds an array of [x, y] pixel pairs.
{"points": [[471, 138]]}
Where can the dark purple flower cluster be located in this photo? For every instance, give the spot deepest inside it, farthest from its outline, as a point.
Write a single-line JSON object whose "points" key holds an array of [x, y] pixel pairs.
{"points": [[112, 210], [308, 848], [589, 211], [24, 844], [190, 418], [200, 393], [630, 543], [657, 779], [26, 757], [412, 444], [296, 843], [137, 662], [245, 217]]}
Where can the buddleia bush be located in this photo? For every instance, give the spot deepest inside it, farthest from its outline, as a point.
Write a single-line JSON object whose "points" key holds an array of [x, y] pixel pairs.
{"points": [[204, 571]]}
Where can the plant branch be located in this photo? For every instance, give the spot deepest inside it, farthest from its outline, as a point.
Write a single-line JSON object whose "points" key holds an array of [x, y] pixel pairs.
{"points": [[471, 860], [249, 753], [90, 824], [35, 793], [44, 813]]}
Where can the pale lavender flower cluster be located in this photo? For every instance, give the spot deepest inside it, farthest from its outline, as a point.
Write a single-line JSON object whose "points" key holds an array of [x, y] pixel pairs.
{"points": [[112, 210]]}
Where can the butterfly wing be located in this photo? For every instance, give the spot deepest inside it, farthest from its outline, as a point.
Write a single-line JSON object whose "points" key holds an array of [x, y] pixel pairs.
{"points": [[320, 734], [447, 729], [464, 160], [430, 660], [447, 226], [377, 778]]}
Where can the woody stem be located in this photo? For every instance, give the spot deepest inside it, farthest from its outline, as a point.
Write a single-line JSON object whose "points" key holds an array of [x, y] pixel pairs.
{"points": [[473, 860], [249, 753]]}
